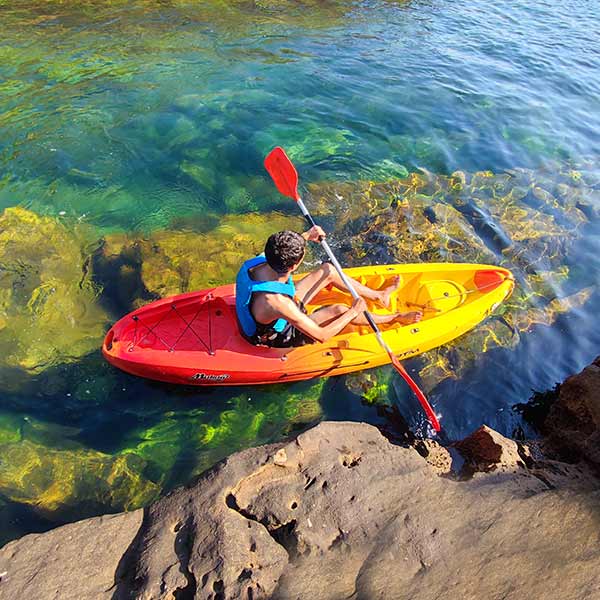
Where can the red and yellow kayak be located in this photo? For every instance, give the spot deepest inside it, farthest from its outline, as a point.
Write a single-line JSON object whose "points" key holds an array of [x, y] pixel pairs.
{"points": [[194, 338]]}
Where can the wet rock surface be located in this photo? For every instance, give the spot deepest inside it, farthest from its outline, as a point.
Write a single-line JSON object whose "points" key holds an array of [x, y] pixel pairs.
{"points": [[572, 426], [339, 512]]}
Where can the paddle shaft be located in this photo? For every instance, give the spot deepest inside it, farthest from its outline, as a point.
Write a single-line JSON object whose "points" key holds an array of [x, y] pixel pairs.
{"points": [[334, 261], [338, 268], [285, 177]]}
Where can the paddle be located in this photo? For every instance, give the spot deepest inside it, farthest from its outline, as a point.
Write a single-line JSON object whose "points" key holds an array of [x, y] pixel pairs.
{"points": [[284, 175]]}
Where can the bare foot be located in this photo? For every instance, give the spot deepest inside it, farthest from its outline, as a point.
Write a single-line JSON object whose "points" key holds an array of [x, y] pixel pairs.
{"points": [[386, 292], [408, 317]]}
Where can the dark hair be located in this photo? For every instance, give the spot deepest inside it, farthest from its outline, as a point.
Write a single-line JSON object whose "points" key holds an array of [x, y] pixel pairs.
{"points": [[283, 250]]}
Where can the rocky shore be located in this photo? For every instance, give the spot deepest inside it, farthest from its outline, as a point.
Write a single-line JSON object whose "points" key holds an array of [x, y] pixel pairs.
{"points": [[342, 512]]}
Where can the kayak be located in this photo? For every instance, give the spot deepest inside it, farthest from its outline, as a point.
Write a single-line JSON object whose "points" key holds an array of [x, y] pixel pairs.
{"points": [[195, 339]]}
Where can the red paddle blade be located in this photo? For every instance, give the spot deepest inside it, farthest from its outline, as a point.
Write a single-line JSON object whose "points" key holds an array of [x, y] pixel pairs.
{"points": [[418, 393], [283, 172]]}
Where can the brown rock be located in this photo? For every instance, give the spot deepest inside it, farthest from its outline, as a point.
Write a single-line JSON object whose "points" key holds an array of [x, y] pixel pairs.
{"points": [[337, 513], [437, 457], [485, 449], [69, 563], [573, 423]]}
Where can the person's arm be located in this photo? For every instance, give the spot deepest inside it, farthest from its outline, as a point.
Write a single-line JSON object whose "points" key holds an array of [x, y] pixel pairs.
{"points": [[288, 310]]}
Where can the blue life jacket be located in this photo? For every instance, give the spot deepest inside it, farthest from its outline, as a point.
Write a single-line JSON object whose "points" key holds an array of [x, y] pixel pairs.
{"points": [[245, 287]]}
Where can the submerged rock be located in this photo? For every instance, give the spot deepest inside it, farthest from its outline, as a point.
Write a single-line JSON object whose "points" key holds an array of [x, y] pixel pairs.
{"points": [[515, 219], [171, 262], [59, 481], [310, 143], [48, 309]]}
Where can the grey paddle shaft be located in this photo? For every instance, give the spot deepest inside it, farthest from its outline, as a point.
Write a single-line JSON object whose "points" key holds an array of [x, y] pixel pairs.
{"points": [[338, 267]]}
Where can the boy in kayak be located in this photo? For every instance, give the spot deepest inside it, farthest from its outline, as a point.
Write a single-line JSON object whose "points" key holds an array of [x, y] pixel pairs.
{"points": [[270, 307]]}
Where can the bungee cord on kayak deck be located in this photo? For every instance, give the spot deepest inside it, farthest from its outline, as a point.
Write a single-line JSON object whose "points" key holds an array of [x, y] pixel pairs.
{"points": [[188, 327]]}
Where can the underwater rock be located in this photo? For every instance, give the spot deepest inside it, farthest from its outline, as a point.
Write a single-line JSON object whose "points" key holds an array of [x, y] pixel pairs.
{"points": [[372, 385], [405, 220], [10, 429], [327, 515], [387, 169], [204, 176], [170, 130], [310, 143], [192, 105], [547, 315], [511, 219], [48, 302], [171, 262], [59, 481]]}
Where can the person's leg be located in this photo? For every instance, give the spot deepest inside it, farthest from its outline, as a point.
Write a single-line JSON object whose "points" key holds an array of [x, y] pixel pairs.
{"points": [[325, 315], [310, 285], [405, 318]]}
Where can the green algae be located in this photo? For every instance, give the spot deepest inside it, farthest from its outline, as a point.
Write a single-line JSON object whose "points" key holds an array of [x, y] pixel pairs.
{"points": [[258, 418], [202, 438], [10, 429], [59, 481], [373, 386], [48, 307], [162, 444], [176, 261]]}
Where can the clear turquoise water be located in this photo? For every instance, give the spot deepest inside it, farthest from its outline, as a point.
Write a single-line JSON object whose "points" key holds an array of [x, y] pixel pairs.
{"points": [[105, 111]]}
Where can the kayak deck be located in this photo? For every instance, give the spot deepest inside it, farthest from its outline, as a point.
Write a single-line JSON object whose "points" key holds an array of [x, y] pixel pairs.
{"points": [[194, 338]]}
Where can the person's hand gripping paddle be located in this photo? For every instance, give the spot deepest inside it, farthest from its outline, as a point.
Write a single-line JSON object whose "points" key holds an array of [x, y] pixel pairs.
{"points": [[284, 175]]}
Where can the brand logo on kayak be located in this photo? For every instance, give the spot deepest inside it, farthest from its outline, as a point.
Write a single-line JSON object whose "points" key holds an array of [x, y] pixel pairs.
{"points": [[210, 377]]}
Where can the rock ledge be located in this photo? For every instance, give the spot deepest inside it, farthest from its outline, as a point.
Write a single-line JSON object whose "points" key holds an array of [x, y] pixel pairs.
{"points": [[340, 512]]}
